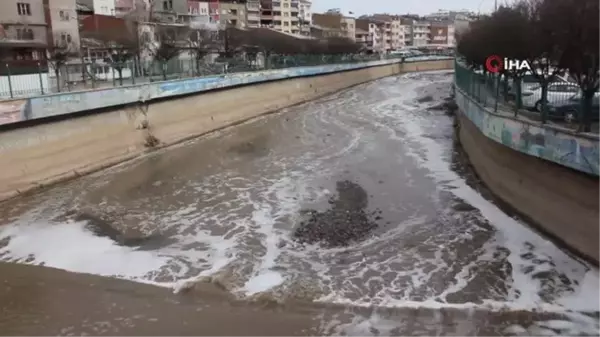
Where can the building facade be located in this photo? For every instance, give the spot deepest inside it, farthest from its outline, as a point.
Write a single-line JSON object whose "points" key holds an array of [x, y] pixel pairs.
{"points": [[305, 17], [336, 23], [63, 23], [253, 13], [23, 41], [392, 30], [232, 14]]}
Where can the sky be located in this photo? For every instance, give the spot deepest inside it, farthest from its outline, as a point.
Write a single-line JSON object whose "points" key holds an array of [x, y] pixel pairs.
{"points": [[421, 7]]}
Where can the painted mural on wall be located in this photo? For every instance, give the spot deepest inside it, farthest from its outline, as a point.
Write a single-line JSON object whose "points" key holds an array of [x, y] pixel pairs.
{"points": [[578, 152]]}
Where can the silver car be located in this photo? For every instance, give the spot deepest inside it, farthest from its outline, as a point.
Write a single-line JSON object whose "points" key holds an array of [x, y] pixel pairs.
{"points": [[558, 92]]}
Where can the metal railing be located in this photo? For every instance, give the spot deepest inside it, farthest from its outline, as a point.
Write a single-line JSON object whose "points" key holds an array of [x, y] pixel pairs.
{"points": [[522, 98], [95, 75]]}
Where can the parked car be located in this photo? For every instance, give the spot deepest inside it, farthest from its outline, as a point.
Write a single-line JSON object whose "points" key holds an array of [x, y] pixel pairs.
{"points": [[530, 82], [558, 92], [570, 110]]}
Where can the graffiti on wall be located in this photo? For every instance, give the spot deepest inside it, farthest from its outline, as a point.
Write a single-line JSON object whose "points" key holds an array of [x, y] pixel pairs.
{"points": [[13, 111], [74, 102], [562, 147]]}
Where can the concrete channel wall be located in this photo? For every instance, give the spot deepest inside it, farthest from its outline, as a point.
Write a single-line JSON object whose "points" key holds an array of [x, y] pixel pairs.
{"points": [[548, 175], [103, 128]]}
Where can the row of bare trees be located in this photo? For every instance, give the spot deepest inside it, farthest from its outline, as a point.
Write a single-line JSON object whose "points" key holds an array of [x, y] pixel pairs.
{"points": [[167, 41], [553, 35]]}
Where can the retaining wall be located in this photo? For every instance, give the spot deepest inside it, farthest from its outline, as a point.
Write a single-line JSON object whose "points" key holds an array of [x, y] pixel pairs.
{"points": [[549, 175], [133, 118]]}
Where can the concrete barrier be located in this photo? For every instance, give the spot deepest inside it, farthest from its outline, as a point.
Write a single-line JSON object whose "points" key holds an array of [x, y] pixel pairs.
{"points": [[39, 155], [549, 176]]}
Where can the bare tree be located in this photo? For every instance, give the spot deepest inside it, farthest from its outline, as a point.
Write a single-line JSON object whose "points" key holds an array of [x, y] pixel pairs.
{"points": [[547, 42], [203, 40], [171, 41], [58, 54], [121, 44], [582, 56], [554, 35]]}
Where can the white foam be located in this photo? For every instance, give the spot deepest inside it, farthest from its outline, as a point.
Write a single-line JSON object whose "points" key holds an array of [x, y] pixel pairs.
{"points": [[263, 282], [71, 247], [511, 233]]}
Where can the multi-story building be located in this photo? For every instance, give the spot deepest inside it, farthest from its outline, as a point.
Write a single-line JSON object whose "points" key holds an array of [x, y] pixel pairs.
{"points": [[305, 17], [63, 23], [266, 14], [327, 25], [457, 22], [24, 38], [369, 33], [25, 23], [392, 29], [253, 13], [418, 32], [281, 15], [232, 14], [344, 25]]}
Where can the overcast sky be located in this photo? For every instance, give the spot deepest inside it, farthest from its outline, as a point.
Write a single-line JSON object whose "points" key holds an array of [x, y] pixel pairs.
{"points": [[360, 7]]}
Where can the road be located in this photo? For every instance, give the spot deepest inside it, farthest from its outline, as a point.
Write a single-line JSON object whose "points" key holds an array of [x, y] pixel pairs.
{"points": [[356, 212]]}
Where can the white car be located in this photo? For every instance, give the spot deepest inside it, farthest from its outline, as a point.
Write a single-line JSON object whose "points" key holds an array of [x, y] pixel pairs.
{"points": [[558, 92]]}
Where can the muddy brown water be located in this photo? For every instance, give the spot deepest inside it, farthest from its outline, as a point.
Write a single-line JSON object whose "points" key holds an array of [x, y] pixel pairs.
{"points": [[354, 214]]}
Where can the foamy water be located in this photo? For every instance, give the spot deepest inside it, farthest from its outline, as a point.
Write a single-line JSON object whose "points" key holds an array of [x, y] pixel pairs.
{"points": [[440, 244]]}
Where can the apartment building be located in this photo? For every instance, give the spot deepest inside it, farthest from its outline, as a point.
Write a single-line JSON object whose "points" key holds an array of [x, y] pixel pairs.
{"points": [[416, 32], [336, 23], [24, 23], [392, 29], [305, 17], [281, 15], [370, 33], [253, 13], [232, 14], [63, 23]]}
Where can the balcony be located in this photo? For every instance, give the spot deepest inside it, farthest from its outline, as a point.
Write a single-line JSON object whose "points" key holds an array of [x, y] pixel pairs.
{"points": [[252, 7]]}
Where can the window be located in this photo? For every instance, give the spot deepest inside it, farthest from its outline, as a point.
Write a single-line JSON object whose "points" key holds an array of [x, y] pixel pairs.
{"points": [[64, 15], [24, 34], [66, 38], [286, 23], [23, 8], [286, 14], [167, 5], [233, 12], [286, 5]]}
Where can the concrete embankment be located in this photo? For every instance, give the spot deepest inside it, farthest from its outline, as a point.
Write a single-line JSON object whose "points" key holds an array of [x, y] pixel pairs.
{"points": [[52, 151], [561, 201]]}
